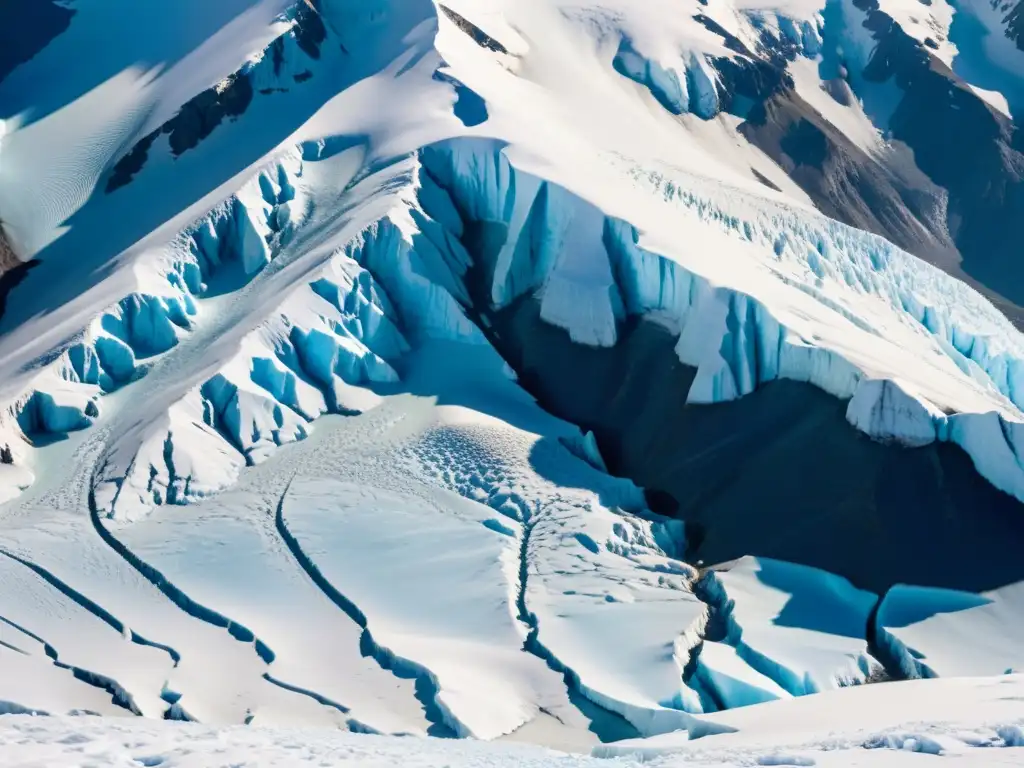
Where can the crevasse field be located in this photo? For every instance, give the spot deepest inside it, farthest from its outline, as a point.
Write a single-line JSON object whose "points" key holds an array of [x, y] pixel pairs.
{"points": [[297, 300]]}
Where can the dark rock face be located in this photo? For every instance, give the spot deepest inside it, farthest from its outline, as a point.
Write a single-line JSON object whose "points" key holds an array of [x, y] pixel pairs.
{"points": [[200, 116], [844, 182], [975, 156], [196, 121], [779, 473], [951, 188], [28, 27], [205, 112], [10, 278], [310, 32], [480, 37], [1015, 25]]}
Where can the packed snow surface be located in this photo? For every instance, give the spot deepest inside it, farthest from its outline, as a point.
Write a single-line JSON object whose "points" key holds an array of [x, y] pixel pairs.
{"points": [[975, 723]]}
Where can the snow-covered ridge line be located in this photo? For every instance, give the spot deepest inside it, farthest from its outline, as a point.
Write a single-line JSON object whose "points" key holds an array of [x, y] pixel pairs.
{"points": [[284, 64]]}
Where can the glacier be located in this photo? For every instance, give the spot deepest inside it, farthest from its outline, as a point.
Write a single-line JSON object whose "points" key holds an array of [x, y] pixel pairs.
{"points": [[274, 463]]}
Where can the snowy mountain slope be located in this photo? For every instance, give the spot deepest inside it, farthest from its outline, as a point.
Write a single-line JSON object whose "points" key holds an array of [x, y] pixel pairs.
{"points": [[269, 369]]}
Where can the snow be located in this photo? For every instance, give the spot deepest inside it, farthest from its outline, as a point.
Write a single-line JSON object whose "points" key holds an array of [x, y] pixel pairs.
{"points": [[964, 723], [736, 683], [941, 633], [848, 118], [887, 413], [282, 478], [954, 717]]}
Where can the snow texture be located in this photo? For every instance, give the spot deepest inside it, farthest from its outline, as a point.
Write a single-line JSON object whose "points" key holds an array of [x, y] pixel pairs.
{"points": [[267, 468], [977, 727]]}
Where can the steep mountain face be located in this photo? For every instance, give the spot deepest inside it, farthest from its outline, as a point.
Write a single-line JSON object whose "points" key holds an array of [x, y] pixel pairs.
{"points": [[555, 370], [896, 121]]}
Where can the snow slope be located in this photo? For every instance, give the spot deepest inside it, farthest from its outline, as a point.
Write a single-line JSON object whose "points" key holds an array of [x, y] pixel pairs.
{"points": [[975, 727], [927, 628]]}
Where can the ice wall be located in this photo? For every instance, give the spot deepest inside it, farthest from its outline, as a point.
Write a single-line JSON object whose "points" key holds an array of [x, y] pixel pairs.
{"points": [[528, 236], [314, 355]]}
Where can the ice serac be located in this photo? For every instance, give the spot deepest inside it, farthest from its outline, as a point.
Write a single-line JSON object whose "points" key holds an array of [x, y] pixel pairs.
{"points": [[169, 461], [802, 628], [668, 84], [885, 412], [932, 632], [59, 410], [380, 275]]}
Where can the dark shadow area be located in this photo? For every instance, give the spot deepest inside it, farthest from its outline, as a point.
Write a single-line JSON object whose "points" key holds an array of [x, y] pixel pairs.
{"points": [[905, 605], [28, 27], [976, 156], [11, 279], [779, 473], [811, 606], [478, 36]]}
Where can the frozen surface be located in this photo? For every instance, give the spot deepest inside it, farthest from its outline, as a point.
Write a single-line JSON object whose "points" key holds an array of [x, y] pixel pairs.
{"points": [[267, 468], [951, 718], [963, 723], [801, 628], [941, 633], [607, 205]]}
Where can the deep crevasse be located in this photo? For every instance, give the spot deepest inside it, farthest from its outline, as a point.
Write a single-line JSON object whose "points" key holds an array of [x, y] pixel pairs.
{"points": [[588, 270]]}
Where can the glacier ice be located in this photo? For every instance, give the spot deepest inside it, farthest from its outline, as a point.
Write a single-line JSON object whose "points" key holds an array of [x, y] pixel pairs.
{"points": [[800, 627], [884, 411], [665, 84], [59, 410], [305, 294]]}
